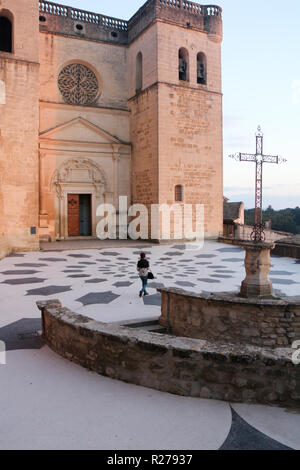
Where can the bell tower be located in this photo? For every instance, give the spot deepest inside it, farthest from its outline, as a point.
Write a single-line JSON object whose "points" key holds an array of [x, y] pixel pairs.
{"points": [[176, 107], [19, 124]]}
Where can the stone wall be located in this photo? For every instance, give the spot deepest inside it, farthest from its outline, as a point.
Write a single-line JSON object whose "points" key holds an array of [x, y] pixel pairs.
{"points": [[180, 366], [144, 138], [190, 124], [19, 121], [144, 119], [176, 126], [190, 151], [229, 318], [66, 20], [107, 61], [288, 249], [94, 136], [4, 246], [243, 232], [77, 24]]}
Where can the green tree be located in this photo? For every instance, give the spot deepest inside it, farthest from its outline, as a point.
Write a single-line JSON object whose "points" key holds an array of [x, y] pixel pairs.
{"points": [[286, 220]]}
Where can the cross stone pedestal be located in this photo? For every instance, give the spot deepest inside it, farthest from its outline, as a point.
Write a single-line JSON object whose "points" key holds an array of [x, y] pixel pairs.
{"points": [[258, 265]]}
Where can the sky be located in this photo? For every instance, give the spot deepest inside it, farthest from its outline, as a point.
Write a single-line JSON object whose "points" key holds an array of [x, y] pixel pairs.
{"points": [[261, 86]]}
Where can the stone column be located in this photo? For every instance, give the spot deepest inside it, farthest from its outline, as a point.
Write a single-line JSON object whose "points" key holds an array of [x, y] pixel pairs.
{"points": [[258, 265], [116, 160], [41, 157], [43, 214]]}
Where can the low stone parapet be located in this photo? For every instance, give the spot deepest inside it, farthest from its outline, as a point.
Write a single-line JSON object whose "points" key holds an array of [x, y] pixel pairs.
{"points": [[177, 365], [229, 318], [288, 250]]}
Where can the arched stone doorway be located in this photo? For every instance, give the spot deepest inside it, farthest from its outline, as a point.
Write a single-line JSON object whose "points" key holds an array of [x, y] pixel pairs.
{"points": [[80, 186]]}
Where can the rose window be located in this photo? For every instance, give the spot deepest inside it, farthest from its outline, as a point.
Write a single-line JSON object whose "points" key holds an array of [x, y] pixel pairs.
{"points": [[78, 84]]}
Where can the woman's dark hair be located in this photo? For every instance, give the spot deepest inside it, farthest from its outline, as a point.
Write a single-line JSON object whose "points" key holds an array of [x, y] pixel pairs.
{"points": [[143, 255]]}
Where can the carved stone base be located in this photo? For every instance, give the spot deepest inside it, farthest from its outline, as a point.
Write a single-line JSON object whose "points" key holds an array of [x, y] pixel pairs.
{"points": [[256, 290], [258, 265]]}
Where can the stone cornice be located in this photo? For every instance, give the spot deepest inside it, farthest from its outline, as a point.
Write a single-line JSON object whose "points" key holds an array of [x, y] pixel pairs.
{"points": [[11, 58], [189, 87], [100, 109]]}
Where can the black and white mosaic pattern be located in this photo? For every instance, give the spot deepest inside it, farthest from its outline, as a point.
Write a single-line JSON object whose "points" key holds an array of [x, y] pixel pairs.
{"points": [[104, 285], [70, 275], [220, 267]]}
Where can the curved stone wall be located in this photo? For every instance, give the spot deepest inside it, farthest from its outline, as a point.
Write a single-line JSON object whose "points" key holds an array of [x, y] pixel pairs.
{"points": [[226, 317], [181, 366]]}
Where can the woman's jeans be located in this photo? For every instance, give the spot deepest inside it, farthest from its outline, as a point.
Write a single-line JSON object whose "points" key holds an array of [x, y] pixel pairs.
{"points": [[144, 280]]}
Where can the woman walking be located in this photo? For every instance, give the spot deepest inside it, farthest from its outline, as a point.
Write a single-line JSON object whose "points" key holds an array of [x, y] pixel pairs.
{"points": [[143, 270]]}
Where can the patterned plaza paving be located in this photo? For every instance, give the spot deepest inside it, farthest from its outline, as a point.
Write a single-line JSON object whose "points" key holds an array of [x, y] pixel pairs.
{"points": [[50, 403]]}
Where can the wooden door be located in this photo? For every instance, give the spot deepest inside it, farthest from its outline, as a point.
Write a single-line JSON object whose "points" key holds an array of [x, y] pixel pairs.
{"points": [[85, 215], [73, 215]]}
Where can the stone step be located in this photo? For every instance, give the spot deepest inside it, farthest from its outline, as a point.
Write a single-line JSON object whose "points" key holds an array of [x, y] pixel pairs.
{"points": [[148, 324], [141, 324], [151, 326], [155, 329]]}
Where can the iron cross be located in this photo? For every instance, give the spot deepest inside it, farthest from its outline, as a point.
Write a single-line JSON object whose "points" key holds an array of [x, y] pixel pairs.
{"points": [[259, 158]]}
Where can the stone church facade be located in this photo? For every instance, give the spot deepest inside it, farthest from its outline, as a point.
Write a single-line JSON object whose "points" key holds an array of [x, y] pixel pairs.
{"points": [[93, 108]]}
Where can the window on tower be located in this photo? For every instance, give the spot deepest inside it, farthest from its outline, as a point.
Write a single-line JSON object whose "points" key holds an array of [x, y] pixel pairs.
{"points": [[139, 72], [201, 68], [179, 193], [183, 65], [5, 34]]}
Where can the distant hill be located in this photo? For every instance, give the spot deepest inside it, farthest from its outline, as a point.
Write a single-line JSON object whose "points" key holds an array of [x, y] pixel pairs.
{"points": [[286, 220]]}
